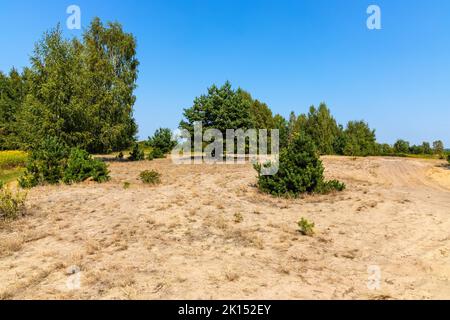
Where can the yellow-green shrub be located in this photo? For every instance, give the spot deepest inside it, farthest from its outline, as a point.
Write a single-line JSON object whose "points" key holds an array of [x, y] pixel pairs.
{"points": [[12, 204]]}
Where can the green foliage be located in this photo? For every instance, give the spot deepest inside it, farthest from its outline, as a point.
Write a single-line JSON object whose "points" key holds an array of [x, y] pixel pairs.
{"points": [[81, 166], [12, 204], [221, 108], [306, 228], [46, 163], [448, 158], [281, 124], [300, 171], [2, 184], [52, 161], [126, 185], [150, 177], [156, 153], [136, 154], [438, 147], [427, 148], [330, 186], [13, 88], [359, 139], [401, 146], [120, 155], [415, 149], [261, 114], [385, 149], [80, 91], [162, 140], [320, 125]]}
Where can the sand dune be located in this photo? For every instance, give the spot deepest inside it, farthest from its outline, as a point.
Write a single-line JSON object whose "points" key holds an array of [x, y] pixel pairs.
{"points": [[206, 232]]}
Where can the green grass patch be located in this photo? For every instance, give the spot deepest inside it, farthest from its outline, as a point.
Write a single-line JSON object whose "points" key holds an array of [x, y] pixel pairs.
{"points": [[9, 175]]}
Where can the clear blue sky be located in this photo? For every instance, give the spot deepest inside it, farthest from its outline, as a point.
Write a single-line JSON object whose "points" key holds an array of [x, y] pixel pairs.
{"points": [[289, 54]]}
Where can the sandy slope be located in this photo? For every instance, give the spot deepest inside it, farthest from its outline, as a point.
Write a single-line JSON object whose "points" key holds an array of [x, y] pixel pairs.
{"points": [[181, 240]]}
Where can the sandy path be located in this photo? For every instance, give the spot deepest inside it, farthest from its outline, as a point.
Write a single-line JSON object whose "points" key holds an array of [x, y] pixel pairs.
{"points": [[183, 239]]}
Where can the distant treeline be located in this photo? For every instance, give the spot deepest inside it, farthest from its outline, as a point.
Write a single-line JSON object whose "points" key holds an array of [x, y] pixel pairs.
{"points": [[80, 91], [224, 108]]}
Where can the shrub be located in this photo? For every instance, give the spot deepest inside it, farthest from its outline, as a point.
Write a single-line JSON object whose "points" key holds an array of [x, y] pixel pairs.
{"points": [[12, 205], [46, 164], [120, 155], [157, 153], [330, 186], [150, 156], [306, 228], [1, 184], [136, 154], [162, 139], [126, 185], [53, 162], [150, 177], [300, 171], [448, 158], [81, 166]]}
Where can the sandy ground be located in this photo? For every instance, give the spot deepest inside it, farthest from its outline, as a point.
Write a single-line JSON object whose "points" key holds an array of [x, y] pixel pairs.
{"points": [[207, 233]]}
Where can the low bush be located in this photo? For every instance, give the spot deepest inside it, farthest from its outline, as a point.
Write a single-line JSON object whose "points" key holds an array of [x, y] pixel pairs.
{"points": [[136, 154], [1, 184], [81, 166], [448, 158], [300, 171], [306, 228], [46, 164], [150, 177], [330, 186], [52, 162], [12, 204]]}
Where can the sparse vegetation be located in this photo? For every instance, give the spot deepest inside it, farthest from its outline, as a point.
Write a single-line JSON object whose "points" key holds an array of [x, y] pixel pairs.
{"points": [[12, 204], [126, 185], [238, 217], [151, 177], [306, 228]]}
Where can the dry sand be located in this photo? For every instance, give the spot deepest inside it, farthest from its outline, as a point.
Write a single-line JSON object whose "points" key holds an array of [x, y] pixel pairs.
{"points": [[206, 232]]}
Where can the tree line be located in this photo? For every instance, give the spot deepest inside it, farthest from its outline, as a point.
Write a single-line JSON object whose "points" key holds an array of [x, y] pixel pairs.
{"points": [[225, 108], [78, 90]]}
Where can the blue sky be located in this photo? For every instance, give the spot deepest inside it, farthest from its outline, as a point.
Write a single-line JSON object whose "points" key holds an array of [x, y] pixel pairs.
{"points": [[289, 54]]}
